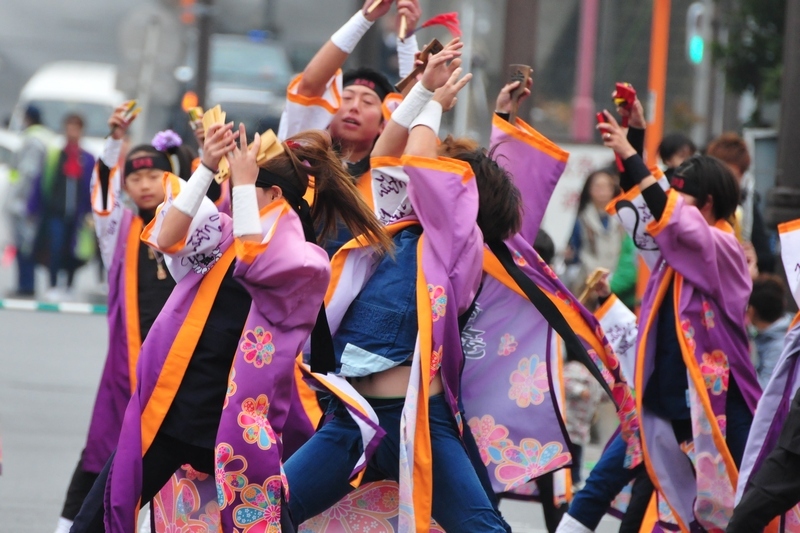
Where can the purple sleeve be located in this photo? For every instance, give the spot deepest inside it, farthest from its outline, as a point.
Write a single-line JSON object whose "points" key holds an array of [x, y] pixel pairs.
{"points": [[535, 165], [444, 196], [707, 256], [286, 276]]}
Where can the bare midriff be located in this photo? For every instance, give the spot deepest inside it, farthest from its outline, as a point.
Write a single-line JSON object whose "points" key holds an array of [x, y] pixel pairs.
{"points": [[392, 383]]}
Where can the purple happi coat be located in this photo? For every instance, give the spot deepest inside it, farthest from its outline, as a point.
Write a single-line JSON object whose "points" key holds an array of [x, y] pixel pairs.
{"points": [[287, 278], [711, 290], [773, 408], [511, 384], [118, 230]]}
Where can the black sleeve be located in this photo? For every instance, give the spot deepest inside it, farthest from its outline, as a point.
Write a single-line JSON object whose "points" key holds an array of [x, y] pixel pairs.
{"points": [[656, 199], [214, 191], [636, 138], [104, 175], [504, 116], [760, 240]]}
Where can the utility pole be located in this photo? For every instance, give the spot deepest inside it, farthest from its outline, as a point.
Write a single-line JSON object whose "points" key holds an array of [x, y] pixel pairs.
{"points": [[519, 46], [783, 202], [657, 84], [583, 108], [205, 13]]}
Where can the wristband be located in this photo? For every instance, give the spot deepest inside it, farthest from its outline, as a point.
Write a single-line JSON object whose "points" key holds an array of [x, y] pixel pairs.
{"points": [[192, 193], [636, 169], [431, 116], [347, 37], [407, 55], [111, 150], [412, 105], [246, 220]]}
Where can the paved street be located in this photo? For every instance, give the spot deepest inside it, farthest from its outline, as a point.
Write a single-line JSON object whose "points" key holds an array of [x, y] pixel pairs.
{"points": [[49, 368]]}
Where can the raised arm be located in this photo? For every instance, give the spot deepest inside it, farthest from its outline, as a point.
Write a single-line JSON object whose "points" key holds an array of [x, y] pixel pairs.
{"points": [[331, 57], [533, 161], [394, 138], [220, 140]]}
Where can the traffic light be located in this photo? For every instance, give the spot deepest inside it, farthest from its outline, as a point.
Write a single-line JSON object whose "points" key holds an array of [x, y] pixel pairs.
{"points": [[695, 33]]}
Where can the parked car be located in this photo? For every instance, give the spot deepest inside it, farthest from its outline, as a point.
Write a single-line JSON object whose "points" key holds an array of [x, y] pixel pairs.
{"points": [[63, 87], [247, 76]]}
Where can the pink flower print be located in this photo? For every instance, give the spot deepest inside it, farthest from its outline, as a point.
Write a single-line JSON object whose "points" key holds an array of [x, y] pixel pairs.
{"points": [[519, 260], [261, 510], [257, 347], [528, 461], [211, 518], [436, 361], [192, 474], [507, 345], [229, 480], [529, 382], [688, 334], [715, 371], [546, 268], [253, 418], [231, 387], [566, 299], [490, 438], [715, 493], [708, 315], [438, 301], [722, 422]]}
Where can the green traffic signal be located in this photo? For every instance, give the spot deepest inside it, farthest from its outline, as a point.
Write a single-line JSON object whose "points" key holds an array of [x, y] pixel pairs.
{"points": [[696, 46]]}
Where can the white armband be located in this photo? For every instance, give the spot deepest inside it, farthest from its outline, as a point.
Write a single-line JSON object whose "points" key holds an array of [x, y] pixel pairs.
{"points": [[347, 37], [412, 105], [192, 193], [111, 150], [406, 55], [246, 220], [430, 116]]}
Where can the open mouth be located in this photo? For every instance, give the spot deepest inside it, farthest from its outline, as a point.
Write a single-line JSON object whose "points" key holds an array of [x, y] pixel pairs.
{"points": [[351, 121]]}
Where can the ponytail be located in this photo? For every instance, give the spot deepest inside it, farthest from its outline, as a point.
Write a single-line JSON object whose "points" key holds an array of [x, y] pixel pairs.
{"points": [[335, 196]]}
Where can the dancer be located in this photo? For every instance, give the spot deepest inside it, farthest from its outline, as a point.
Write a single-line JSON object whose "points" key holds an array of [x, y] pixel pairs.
{"points": [[259, 271], [768, 485]]}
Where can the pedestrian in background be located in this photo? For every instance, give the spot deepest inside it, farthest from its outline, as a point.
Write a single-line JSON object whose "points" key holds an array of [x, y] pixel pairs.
{"points": [[766, 311], [61, 198], [30, 161]]}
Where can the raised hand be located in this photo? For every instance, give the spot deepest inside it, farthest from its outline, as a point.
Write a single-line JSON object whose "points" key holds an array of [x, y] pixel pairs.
{"points": [[438, 71], [220, 140], [244, 168], [503, 104], [411, 11], [635, 113], [447, 95], [374, 10], [119, 123], [615, 136]]}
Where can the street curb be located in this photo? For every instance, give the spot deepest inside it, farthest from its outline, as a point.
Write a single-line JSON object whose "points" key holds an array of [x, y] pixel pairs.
{"points": [[68, 308]]}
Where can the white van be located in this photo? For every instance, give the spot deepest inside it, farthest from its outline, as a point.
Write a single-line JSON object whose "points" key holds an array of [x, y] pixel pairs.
{"points": [[64, 87]]}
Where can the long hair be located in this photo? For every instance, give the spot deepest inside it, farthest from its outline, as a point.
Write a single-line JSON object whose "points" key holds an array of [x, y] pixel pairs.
{"points": [[586, 196], [500, 202], [336, 197]]}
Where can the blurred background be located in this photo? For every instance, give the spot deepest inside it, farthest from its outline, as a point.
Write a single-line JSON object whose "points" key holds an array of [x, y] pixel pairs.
{"points": [[700, 68]]}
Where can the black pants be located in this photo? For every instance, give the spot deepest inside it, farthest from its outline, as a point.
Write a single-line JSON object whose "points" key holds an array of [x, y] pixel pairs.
{"points": [[79, 486], [641, 494], [165, 456], [552, 513]]}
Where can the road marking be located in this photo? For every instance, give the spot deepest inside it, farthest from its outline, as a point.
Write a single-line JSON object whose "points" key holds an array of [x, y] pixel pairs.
{"points": [[68, 308]]}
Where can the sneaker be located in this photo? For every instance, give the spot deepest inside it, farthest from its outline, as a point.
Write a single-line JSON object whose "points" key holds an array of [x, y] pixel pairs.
{"points": [[54, 295]]}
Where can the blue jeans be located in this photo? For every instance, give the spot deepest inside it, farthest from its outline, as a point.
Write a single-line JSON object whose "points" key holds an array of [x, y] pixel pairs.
{"points": [[606, 480], [318, 473], [61, 233]]}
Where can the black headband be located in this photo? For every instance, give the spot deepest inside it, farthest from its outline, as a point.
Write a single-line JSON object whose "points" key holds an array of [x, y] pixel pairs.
{"points": [[145, 162], [293, 195], [686, 185]]}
